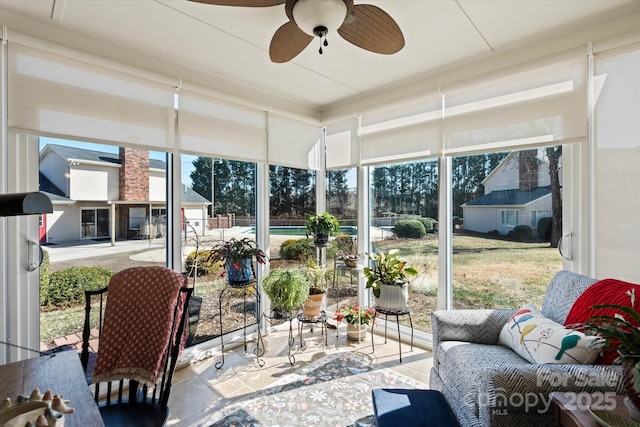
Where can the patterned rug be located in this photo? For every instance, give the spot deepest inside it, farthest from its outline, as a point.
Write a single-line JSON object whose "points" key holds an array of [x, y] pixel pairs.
{"points": [[332, 391]]}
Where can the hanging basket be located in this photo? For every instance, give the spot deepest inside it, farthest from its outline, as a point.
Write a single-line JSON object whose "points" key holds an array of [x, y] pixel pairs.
{"points": [[393, 298]]}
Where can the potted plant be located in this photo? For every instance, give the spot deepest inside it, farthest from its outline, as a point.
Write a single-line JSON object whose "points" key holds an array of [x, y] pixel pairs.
{"points": [[237, 256], [621, 333], [287, 288], [387, 278], [317, 279], [321, 226], [357, 319], [348, 250]]}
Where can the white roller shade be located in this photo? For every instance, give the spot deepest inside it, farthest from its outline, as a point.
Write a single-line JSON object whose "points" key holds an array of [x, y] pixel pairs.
{"points": [[73, 96], [616, 223], [294, 143], [408, 131], [342, 144], [220, 128], [535, 103]]}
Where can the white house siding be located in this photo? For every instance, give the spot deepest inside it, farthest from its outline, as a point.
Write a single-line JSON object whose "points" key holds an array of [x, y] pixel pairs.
{"points": [[481, 219], [92, 182], [55, 168], [541, 204], [63, 224], [193, 214], [484, 219], [504, 177], [157, 186]]}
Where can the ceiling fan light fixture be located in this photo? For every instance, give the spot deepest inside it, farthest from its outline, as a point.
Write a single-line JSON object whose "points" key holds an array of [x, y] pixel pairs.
{"points": [[311, 15]]}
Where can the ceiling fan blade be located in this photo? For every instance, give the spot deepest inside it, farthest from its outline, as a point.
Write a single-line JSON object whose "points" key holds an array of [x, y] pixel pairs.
{"points": [[372, 29], [288, 42], [242, 3]]}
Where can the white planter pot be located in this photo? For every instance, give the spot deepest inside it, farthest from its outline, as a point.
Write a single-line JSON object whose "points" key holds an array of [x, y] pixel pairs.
{"points": [[393, 298], [356, 332]]}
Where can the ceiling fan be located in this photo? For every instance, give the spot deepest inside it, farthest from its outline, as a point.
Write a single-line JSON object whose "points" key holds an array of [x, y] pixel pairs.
{"points": [[363, 25]]}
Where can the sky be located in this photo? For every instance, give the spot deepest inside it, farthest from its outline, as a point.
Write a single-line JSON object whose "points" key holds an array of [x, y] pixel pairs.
{"points": [[187, 160]]}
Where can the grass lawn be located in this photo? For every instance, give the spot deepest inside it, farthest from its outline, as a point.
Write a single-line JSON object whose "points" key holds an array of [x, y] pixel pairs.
{"points": [[487, 273]]}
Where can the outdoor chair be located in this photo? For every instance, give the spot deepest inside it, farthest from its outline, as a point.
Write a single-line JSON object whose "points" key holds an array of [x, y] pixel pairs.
{"points": [[140, 319]]}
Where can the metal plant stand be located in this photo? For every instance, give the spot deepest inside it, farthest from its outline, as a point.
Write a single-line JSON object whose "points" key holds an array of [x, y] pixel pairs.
{"points": [[244, 286], [260, 347], [404, 312], [322, 320]]}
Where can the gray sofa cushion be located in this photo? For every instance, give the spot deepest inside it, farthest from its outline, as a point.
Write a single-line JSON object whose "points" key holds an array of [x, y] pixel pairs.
{"points": [[461, 365], [563, 291]]}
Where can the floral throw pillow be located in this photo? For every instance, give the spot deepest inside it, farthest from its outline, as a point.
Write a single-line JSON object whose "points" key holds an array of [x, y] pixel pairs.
{"points": [[541, 340]]}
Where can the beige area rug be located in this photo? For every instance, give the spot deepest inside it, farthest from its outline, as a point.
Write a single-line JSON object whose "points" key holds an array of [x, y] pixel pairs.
{"points": [[332, 391]]}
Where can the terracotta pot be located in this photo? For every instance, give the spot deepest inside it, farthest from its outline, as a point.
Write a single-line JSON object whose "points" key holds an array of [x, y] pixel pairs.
{"points": [[313, 305], [351, 262], [356, 332]]}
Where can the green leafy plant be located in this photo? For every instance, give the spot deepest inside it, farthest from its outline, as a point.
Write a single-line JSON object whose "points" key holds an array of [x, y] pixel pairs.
{"points": [[235, 250], [355, 314], [620, 332], [323, 223], [286, 288], [388, 269], [317, 277]]}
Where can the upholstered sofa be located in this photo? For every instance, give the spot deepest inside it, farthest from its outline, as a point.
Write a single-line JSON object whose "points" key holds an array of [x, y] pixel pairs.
{"points": [[487, 384]]}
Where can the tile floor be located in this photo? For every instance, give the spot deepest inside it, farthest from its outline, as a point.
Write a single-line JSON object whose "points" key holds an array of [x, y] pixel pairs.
{"points": [[200, 389]]}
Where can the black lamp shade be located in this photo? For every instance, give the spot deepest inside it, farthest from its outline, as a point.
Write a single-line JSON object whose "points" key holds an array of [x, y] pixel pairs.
{"points": [[24, 204]]}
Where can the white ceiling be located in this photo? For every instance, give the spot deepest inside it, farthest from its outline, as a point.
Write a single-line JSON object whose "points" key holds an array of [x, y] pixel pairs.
{"points": [[226, 48]]}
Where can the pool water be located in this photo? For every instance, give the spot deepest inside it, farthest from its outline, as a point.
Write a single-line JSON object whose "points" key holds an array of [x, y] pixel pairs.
{"points": [[302, 231]]}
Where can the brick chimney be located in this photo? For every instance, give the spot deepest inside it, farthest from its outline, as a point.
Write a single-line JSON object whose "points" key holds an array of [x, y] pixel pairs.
{"points": [[528, 170], [134, 174]]}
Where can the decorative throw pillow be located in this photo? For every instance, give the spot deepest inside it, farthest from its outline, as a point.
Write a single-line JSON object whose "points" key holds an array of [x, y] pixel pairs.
{"points": [[607, 291], [541, 340]]}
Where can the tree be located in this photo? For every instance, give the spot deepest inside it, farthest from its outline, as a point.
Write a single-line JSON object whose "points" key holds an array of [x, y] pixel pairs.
{"points": [[554, 154], [234, 184]]}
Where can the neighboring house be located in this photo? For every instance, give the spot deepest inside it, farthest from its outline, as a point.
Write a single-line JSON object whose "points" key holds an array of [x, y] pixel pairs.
{"points": [[517, 191], [97, 195]]}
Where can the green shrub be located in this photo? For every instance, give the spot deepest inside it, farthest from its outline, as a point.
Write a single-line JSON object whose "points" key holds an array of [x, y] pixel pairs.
{"points": [[544, 228], [203, 266], [45, 269], [297, 249], [430, 224], [410, 228], [66, 287], [522, 233]]}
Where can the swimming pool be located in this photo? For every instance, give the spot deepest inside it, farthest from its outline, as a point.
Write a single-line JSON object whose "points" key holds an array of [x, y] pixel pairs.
{"points": [[302, 231]]}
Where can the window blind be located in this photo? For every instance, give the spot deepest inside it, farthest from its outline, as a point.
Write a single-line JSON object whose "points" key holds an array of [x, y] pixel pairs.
{"points": [[342, 144], [219, 128], [294, 143], [78, 96], [541, 102]]}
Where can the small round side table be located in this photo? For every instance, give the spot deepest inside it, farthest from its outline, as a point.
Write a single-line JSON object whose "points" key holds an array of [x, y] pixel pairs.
{"points": [[404, 312]]}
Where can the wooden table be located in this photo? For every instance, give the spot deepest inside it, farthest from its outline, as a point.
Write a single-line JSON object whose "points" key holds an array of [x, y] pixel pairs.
{"points": [[572, 409], [62, 374]]}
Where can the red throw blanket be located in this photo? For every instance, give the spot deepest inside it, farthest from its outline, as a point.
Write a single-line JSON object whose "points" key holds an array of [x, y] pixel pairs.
{"points": [[137, 324], [607, 291]]}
